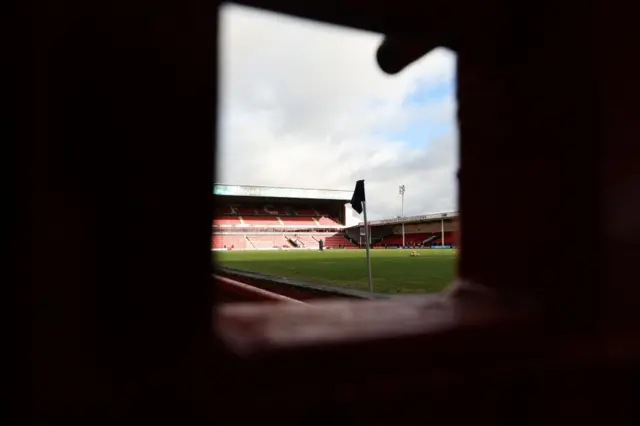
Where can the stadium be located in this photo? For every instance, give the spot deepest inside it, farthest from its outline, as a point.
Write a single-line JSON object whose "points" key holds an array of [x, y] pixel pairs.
{"points": [[282, 232]]}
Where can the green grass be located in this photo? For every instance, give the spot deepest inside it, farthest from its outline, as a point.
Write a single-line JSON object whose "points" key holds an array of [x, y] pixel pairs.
{"points": [[394, 271]]}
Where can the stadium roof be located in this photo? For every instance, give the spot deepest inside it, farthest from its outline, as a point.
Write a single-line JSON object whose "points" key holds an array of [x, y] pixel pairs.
{"points": [[408, 219], [275, 192]]}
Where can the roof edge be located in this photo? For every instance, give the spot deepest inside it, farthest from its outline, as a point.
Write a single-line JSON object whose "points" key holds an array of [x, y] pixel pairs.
{"points": [[281, 192]]}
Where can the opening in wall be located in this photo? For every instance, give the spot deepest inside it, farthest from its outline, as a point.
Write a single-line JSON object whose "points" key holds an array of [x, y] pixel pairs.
{"points": [[305, 112]]}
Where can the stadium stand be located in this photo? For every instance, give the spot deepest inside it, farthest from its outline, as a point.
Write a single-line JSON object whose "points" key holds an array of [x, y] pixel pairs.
{"points": [[273, 210], [225, 209], [327, 221], [410, 239], [253, 217], [244, 210], [300, 221], [305, 212], [227, 220], [229, 241], [304, 241], [429, 239], [261, 220], [449, 239], [338, 241], [268, 241]]}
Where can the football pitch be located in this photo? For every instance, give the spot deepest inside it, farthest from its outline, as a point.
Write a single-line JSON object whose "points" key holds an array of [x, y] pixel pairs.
{"points": [[394, 271]]}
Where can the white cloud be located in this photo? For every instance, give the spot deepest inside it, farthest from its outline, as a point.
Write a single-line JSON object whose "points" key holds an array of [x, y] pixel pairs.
{"points": [[300, 103]]}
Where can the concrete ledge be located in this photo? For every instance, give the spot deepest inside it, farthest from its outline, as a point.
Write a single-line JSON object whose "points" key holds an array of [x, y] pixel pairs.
{"points": [[294, 288], [234, 290]]}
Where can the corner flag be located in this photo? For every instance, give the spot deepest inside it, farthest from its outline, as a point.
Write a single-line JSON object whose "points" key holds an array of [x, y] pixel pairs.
{"points": [[358, 202], [358, 197]]}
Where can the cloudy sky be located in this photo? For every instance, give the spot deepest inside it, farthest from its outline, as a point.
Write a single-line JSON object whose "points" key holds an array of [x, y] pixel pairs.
{"points": [[305, 105]]}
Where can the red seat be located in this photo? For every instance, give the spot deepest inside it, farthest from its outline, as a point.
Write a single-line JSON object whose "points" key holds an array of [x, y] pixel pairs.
{"points": [[305, 212], [338, 241], [244, 210], [306, 241], [226, 220], [261, 220], [327, 221], [267, 241], [299, 221], [228, 241]]}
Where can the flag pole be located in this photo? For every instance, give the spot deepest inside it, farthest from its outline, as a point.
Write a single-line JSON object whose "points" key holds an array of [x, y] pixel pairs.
{"points": [[367, 242], [358, 202]]}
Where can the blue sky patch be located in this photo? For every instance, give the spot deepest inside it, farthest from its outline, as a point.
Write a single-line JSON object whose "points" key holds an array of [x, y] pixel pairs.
{"points": [[426, 93], [419, 131]]}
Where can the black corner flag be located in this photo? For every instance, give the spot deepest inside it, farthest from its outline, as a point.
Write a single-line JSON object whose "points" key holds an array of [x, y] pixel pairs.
{"points": [[358, 196], [358, 203]]}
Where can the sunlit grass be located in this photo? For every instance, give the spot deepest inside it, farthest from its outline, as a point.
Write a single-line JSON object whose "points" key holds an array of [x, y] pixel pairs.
{"points": [[394, 271]]}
